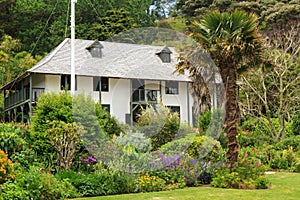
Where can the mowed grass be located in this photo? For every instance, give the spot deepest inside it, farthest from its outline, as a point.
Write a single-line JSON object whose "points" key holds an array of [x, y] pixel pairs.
{"points": [[285, 186]]}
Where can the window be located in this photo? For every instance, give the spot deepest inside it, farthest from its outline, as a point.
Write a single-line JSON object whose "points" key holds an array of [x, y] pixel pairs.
{"points": [[104, 83], [65, 82], [138, 90], [174, 109], [171, 87], [106, 107], [165, 55], [95, 49]]}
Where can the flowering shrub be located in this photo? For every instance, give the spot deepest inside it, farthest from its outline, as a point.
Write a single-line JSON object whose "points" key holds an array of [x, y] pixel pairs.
{"points": [[26, 156], [11, 139], [148, 183], [247, 173], [88, 163], [6, 168], [37, 183], [273, 159], [253, 138], [183, 170]]}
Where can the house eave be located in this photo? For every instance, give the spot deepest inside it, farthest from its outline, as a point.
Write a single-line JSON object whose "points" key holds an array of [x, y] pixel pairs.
{"points": [[16, 80]]}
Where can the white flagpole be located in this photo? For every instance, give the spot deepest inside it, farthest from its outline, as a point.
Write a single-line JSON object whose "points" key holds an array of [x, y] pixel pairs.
{"points": [[73, 46]]}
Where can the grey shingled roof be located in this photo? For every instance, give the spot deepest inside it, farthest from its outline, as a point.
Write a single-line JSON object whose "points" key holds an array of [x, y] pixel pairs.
{"points": [[119, 60]]}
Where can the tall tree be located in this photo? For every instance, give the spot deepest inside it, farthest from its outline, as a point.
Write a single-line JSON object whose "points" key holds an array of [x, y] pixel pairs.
{"points": [[233, 43], [6, 17], [273, 92], [13, 61], [114, 22]]}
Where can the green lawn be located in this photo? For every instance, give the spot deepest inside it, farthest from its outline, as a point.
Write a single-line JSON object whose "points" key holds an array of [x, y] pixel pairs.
{"points": [[284, 186]]}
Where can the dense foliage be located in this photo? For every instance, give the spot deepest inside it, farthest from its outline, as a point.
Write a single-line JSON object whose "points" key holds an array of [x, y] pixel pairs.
{"points": [[159, 124], [48, 161]]}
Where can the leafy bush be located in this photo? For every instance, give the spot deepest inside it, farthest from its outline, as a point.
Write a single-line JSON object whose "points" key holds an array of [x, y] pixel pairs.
{"points": [[247, 173], [273, 158], [290, 142], [50, 107], [178, 146], [204, 148], [6, 168], [204, 121], [14, 191], [39, 184], [138, 140], [251, 138], [12, 137], [25, 157], [283, 159], [297, 166], [100, 182], [211, 124], [107, 122], [159, 124], [260, 133], [64, 138], [62, 107]]}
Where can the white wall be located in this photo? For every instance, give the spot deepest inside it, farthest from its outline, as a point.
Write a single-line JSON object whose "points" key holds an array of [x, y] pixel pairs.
{"points": [[84, 85], [52, 83], [118, 96]]}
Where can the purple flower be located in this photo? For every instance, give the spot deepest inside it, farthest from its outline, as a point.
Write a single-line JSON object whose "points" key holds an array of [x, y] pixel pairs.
{"points": [[152, 164], [92, 159]]}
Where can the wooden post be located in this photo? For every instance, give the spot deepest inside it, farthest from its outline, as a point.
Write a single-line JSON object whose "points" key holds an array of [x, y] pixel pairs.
{"points": [[22, 109]]}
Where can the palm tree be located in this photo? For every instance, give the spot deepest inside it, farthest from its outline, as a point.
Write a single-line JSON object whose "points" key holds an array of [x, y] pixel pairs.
{"points": [[233, 42]]}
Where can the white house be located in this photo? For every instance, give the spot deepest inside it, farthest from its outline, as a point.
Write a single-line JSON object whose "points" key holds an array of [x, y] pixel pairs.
{"points": [[123, 77]]}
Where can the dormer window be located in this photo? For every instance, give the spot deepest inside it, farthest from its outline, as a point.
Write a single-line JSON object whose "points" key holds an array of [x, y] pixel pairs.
{"points": [[165, 55], [95, 49]]}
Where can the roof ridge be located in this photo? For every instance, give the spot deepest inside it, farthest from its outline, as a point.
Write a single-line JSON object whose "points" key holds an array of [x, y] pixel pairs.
{"points": [[50, 56]]}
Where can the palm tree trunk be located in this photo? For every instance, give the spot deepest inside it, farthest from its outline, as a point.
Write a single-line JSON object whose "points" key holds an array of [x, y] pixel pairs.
{"points": [[229, 77], [200, 93]]}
